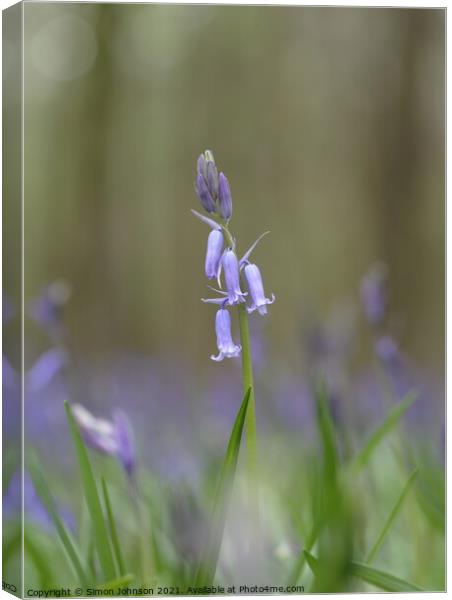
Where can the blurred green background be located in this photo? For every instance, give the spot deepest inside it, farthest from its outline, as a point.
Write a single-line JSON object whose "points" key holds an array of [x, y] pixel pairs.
{"points": [[329, 123]]}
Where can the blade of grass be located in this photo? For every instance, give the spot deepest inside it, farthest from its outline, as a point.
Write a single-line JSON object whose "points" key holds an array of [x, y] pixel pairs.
{"points": [[40, 560], [329, 472], [299, 566], [119, 582], [380, 579], [12, 544], [208, 565], [112, 526], [380, 433], [313, 563], [326, 429], [392, 516], [92, 500], [69, 544]]}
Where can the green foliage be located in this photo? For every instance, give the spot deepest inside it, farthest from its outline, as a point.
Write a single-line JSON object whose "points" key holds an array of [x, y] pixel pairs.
{"points": [[379, 579], [207, 568], [100, 529], [393, 417], [72, 551]]}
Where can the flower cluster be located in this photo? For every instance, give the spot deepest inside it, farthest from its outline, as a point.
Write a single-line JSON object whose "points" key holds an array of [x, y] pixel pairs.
{"points": [[214, 192]]}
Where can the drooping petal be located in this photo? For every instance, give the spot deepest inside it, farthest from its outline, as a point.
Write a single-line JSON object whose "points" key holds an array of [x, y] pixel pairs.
{"points": [[232, 277], [225, 344], [214, 251], [256, 288], [247, 254]]}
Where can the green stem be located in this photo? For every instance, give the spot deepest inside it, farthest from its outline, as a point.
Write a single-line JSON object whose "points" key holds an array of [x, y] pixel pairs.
{"points": [[251, 438]]}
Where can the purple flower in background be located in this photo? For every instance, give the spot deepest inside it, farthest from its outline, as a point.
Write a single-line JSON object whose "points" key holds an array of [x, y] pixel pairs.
{"points": [[224, 197], [125, 441], [33, 507], [10, 376], [48, 365], [256, 289], [8, 310], [232, 277], [394, 364], [374, 294], [226, 347], [388, 351], [215, 244], [113, 438], [48, 307]]}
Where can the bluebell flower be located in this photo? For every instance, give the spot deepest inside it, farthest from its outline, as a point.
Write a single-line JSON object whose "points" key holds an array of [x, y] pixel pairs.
{"points": [[388, 351], [126, 446], [47, 366], [48, 307], [215, 244], [374, 294], [224, 197], [226, 346], [232, 277], [394, 364], [113, 438], [256, 289], [34, 509]]}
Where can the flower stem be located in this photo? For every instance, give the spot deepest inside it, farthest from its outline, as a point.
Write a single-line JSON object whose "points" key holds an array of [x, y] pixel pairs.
{"points": [[251, 438]]}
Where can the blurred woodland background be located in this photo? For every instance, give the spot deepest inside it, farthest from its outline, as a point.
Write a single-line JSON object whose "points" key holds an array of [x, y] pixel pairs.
{"points": [[328, 122]]}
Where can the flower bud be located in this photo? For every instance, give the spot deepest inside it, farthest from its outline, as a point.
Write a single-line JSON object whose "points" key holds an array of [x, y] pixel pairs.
{"points": [[224, 197], [204, 194]]}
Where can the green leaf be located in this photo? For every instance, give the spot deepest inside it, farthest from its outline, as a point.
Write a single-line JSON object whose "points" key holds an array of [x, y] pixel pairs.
{"points": [[119, 582], [92, 500], [113, 531], [68, 542], [380, 579], [326, 429], [302, 559], [312, 561], [208, 565], [392, 516], [382, 431]]}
